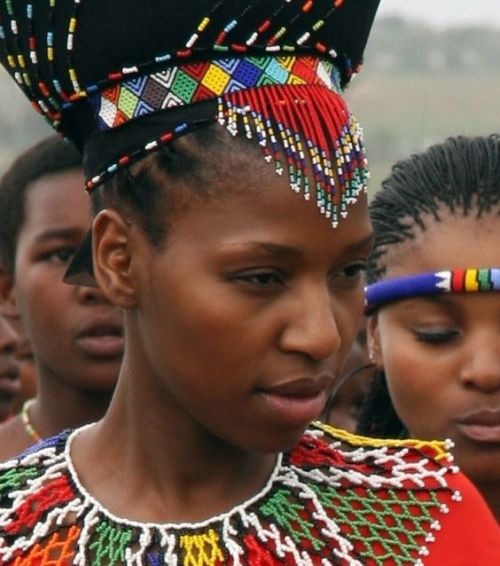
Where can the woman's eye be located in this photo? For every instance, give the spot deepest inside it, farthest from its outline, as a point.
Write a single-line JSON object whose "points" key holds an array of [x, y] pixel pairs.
{"points": [[261, 278], [436, 336], [351, 272], [61, 256]]}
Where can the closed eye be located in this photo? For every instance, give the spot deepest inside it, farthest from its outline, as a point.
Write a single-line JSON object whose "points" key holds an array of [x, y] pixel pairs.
{"points": [[438, 336], [354, 270]]}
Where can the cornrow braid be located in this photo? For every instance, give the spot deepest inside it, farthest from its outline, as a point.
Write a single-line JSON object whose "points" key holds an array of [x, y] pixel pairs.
{"points": [[461, 174]]}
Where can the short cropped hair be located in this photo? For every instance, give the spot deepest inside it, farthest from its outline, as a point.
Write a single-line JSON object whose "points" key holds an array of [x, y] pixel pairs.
{"points": [[49, 156]]}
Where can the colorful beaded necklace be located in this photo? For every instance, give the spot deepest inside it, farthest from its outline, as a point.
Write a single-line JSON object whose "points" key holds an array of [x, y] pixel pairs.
{"points": [[334, 499], [27, 422]]}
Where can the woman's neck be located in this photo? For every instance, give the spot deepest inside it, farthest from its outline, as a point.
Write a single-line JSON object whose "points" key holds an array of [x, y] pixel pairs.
{"points": [[168, 467], [59, 405]]}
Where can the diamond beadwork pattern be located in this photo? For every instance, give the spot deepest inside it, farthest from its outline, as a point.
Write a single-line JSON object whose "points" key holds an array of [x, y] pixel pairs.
{"points": [[195, 82]]}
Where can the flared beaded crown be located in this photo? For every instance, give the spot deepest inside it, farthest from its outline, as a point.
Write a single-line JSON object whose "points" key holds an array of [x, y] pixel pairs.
{"points": [[122, 78]]}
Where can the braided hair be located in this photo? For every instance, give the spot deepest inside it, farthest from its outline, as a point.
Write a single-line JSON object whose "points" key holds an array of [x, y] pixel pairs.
{"points": [[200, 159], [460, 175]]}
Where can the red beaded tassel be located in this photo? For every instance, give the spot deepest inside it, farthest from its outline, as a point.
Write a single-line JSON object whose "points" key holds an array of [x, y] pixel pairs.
{"points": [[308, 130]]}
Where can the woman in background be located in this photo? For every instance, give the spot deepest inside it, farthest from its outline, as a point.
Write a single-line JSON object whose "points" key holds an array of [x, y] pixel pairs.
{"points": [[434, 304]]}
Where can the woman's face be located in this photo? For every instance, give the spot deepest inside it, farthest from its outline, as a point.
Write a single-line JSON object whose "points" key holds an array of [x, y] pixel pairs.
{"points": [[441, 354], [245, 316], [76, 335]]}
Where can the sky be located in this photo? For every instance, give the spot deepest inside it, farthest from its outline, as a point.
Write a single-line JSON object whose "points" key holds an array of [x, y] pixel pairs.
{"points": [[444, 13]]}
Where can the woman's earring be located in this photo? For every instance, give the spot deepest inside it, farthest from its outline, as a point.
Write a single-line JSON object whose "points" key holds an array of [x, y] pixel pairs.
{"points": [[371, 356]]}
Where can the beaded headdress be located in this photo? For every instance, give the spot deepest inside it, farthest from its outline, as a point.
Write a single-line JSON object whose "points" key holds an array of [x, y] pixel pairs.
{"points": [[123, 78], [430, 283]]}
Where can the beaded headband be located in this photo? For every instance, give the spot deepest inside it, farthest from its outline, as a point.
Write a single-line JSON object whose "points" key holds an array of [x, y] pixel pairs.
{"points": [[432, 283]]}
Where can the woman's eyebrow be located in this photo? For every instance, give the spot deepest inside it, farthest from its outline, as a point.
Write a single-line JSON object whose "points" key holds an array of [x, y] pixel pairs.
{"points": [[58, 234], [269, 248], [365, 243], [279, 250]]}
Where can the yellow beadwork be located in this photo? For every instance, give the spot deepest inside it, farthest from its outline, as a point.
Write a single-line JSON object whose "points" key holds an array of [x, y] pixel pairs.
{"points": [[215, 79], [203, 25], [438, 446], [202, 550], [26, 420], [471, 282]]}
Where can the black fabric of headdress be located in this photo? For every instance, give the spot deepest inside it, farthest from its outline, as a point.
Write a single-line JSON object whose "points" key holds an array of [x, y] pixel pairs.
{"points": [[113, 34]]}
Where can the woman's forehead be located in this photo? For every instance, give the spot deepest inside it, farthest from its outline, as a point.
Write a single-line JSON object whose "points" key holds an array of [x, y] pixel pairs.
{"points": [[258, 206], [454, 241]]}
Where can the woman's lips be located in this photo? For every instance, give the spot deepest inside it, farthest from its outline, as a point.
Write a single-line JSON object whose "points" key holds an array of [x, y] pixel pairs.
{"points": [[297, 402], [10, 384], [483, 426], [102, 339]]}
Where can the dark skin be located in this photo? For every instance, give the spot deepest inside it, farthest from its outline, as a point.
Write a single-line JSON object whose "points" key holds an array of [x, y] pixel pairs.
{"points": [[237, 328], [345, 406], [74, 331], [25, 361], [10, 383]]}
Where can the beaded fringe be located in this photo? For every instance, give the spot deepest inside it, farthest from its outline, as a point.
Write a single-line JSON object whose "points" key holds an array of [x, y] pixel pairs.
{"points": [[308, 131]]}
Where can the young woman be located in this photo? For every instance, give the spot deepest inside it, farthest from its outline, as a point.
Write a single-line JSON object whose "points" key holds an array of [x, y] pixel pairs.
{"points": [[75, 333], [240, 297], [434, 331]]}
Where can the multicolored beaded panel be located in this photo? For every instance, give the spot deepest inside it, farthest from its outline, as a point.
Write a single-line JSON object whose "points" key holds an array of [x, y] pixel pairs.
{"points": [[335, 499], [431, 283], [291, 105], [187, 84]]}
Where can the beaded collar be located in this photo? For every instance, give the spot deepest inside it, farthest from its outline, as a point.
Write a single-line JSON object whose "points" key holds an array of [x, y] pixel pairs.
{"points": [[335, 498]]}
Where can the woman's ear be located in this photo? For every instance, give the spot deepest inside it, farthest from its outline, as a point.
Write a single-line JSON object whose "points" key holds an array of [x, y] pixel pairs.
{"points": [[373, 342], [8, 303], [111, 245]]}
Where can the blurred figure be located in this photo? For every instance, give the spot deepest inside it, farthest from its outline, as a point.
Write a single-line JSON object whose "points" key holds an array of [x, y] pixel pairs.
{"points": [[25, 361], [10, 382], [344, 405]]}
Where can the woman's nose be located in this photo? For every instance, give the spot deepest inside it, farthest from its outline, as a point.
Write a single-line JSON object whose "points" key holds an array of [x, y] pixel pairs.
{"points": [[91, 295], [8, 337], [481, 368], [312, 328]]}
